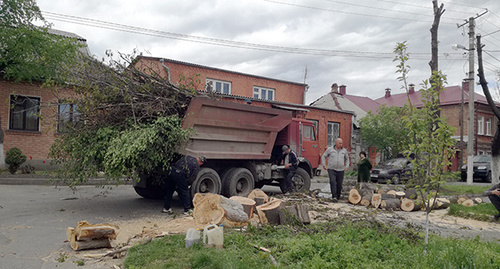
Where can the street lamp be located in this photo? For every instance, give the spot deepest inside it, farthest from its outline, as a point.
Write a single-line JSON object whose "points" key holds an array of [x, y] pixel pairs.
{"points": [[470, 133]]}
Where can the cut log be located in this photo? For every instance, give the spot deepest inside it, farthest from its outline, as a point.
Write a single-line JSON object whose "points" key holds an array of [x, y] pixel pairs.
{"points": [[385, 189], [400, 194], [368, 186], [366, 197], [87, 231], [393, 192], [376, 199], [269, 212], [387, 196], [247, 203], [411, 194], [90, 244], [410, 205], [259, 196], [391, 204], [212, 208], [70, 233], [478, 200], [354, 197], [290, 214], [440, 203], [468, 203]]}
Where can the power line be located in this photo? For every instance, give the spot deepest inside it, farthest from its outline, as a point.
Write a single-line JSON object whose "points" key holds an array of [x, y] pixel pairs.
{"points": [[222, 42]]}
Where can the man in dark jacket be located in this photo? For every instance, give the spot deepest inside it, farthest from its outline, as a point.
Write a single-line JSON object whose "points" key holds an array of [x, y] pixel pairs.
{"points": [[493, 194], [184, 169], [291, 163]]}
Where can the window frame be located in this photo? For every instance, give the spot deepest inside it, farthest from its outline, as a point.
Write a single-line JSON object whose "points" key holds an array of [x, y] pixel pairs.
{"points": [[259, 91], [211, 84], [315, 124], [73, 116], [480, 125], [488, 122], [14, 102], [330, 138]]}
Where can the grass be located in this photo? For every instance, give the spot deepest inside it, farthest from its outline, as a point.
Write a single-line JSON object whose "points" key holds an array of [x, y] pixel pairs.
{"points": [[482, 212], [340, 244], [454, 189]]}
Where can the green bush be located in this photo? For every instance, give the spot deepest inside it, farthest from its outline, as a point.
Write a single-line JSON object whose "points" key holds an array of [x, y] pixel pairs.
{"points": [[14, 158]]}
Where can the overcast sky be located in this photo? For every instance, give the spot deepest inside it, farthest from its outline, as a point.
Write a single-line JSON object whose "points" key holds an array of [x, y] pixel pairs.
{"points": [[347, 42]]}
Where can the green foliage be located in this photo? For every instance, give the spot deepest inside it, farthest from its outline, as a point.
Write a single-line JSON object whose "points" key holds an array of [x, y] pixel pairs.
{"points": [[14, 158], [29, 52], [402, 58], [385, 130], [341, 244], [483, 212], [118, 151]]}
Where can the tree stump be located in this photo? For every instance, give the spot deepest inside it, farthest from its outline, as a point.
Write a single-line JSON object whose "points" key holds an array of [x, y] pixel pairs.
{"points": [[354, 197], [215, 209], [295, 212], [376, 199], [247, 203], [478, 200], [392, 204], [259, 196], [269, 212]]}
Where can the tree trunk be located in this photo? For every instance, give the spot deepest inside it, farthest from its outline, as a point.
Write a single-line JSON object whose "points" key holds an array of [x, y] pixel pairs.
{"points": [[269, 212], [295, 212], [376, 200], [214, 209], [354, 197], [410, 205], [247, 203], [392, 204]]}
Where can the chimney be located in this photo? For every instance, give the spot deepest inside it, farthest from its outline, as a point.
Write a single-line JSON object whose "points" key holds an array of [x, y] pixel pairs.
{"points": [[465, 85], [335, 88], [342, 89], [387, 92], [412, 89]]}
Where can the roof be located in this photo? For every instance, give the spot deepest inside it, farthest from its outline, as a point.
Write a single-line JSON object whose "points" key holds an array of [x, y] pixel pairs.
{"points": [[218, 69], [85, 49], [449, 96]]}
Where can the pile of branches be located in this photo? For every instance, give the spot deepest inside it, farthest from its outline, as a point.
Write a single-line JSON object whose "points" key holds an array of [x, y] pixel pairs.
{"points": [[117, 93]]}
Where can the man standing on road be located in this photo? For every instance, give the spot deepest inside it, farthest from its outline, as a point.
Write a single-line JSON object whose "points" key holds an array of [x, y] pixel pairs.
{"points": [[338, 162], [493, 194], [291, 163], [185, 168]]}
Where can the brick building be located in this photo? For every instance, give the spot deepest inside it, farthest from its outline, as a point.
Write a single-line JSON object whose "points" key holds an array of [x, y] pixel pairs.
{"points": [[457, 116]]}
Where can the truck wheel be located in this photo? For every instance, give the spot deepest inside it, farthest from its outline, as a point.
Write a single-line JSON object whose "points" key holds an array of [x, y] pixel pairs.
{"points": [[301, 181], [151, 192], [207, 181], [237, 182]]}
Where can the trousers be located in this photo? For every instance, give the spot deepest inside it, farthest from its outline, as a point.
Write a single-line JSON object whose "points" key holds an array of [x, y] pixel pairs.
{"points": [[336, 179]]}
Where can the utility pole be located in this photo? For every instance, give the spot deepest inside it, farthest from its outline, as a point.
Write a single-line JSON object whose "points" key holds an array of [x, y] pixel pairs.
{"points": [[472, 120]]}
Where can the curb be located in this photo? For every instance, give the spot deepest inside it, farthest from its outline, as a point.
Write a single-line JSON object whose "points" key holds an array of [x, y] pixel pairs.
{"points": [[46, 181]]}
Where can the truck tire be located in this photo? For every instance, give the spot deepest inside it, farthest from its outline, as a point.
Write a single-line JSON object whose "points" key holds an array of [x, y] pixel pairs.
{"points": [[151, 192], [207, 181], [301, 181], [237, 182]]}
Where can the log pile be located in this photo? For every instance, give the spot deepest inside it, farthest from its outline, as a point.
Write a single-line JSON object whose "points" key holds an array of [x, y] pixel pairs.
{"points": [[91, 236], [256, 208], [386, 197]]}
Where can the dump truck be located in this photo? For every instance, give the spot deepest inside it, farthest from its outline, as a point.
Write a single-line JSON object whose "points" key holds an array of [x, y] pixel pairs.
{"points": [[242, 144]]}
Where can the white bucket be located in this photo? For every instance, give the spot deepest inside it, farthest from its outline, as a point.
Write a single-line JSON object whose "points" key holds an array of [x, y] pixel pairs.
{"points": [[192, 237], [213, 235]]}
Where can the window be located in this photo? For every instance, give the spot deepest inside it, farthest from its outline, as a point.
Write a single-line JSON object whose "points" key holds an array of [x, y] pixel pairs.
{"points": [[263, 93], [488, 126], [218, 86], [308, 133], [480, 125], [24, 112], [67, 116], [333, 133], [315, 125]]}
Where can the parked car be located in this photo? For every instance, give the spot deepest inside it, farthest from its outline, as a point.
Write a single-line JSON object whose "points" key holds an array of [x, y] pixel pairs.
{"points": [[481, 168], [396, 171]]}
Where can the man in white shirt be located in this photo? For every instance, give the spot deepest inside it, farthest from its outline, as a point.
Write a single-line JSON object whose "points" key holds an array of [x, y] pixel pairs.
{"points": [[338, 162]]}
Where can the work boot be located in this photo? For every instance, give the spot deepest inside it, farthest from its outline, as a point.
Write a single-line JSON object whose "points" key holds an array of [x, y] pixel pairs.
{"points": [[188, 212], [168, 211]]}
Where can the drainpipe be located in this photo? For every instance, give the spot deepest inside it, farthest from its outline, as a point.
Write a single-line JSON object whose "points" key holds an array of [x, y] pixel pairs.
{"points": [[162, 60]]}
